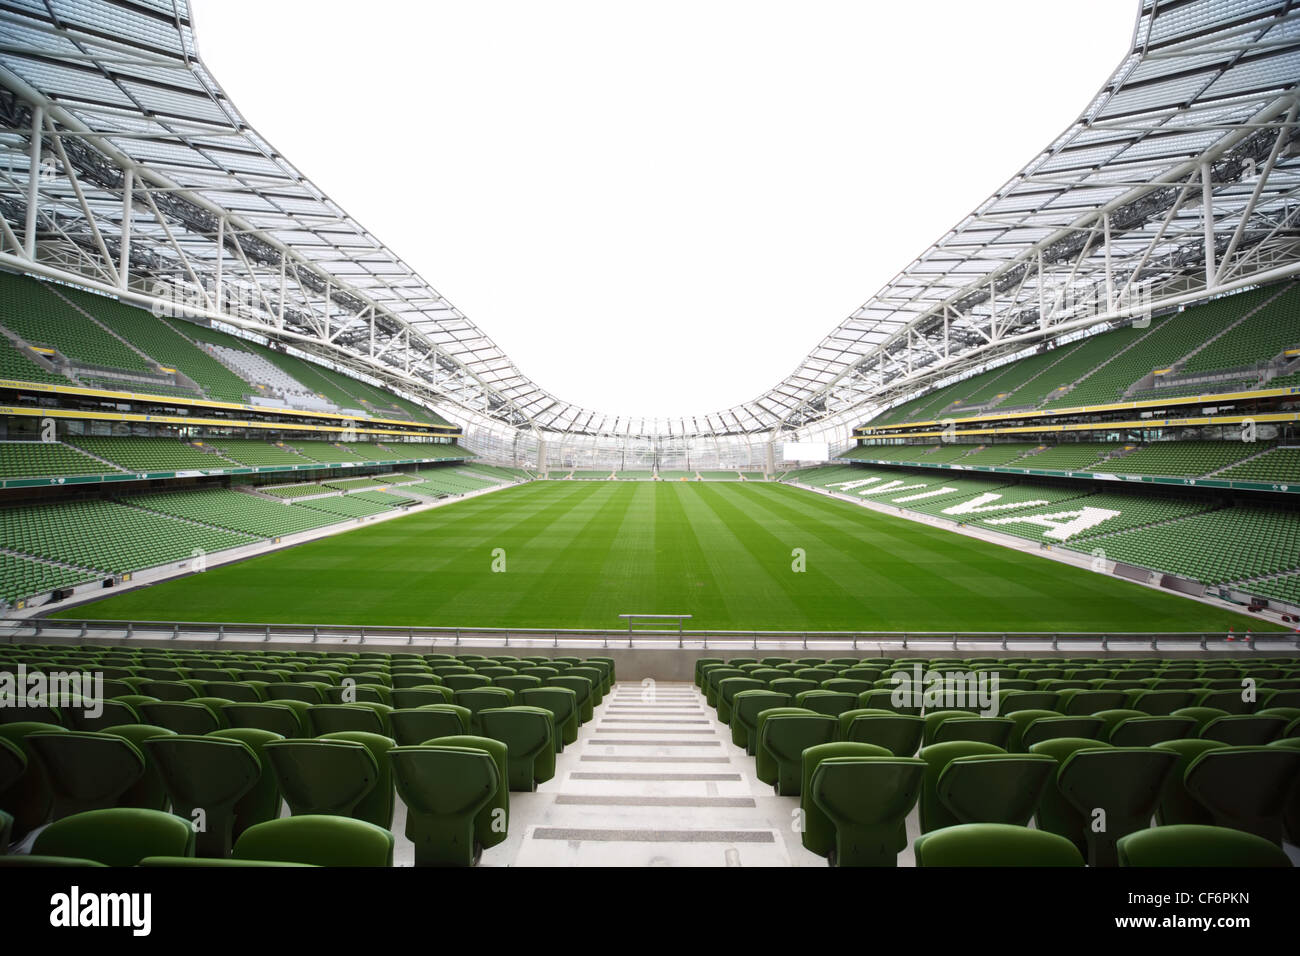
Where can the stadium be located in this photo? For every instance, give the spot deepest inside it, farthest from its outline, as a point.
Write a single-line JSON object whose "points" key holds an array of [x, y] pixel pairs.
{"points": [[298, 567]]}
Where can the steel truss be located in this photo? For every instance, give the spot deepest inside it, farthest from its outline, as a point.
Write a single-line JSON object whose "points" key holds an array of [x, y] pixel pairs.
{"points": [[124, 166]]}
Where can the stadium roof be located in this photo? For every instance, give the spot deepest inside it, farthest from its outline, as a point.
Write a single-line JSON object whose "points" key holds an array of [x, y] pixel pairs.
{"points": [[1178, 180]]}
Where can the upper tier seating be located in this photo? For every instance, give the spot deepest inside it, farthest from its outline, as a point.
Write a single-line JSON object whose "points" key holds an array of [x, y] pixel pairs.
{"points": [[164, 344], [35, 312]]}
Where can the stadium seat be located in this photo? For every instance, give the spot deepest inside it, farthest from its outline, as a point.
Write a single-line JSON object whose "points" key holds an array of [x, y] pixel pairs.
{"points": [[1244, 730], [1055, 813], [818, 832], [822, 701], [1246, 788], [86, 771], [562, 702], [407, 697], [1051, 728], [329, 718], [182, 717], [1176, 805], [148, 792], [318, 776], [529, 735], [279, 718], [994, 844], [316, 840], [866, 800], [415, 725], [936, 758], [1148, 731], [206, 777], [745, 707], [581, 687], [728, 687], [456, 797], [1123, 783], [783, 735], [1192, 845], [29, 799], [995, 788], [119, 836], [263, 801], [991, 730], [900, 734]]}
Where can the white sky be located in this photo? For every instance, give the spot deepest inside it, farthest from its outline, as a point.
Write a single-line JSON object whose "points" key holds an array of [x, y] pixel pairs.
{"points": [[658, 208]]}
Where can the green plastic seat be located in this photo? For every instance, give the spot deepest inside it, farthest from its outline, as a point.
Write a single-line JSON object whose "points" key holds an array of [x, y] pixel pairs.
{"points": [[1161, 703], [745, 708], [478, 699], [205, 778], [148, 792], [86, 771], [700, 664], [318, 776], [883, 699], [1246, 788], [900, 734], [581, 687], [936, 758], [318, 840], [1245, 730], [1110, 718], [989, 730], [263, 801], [181, 717], [167, 689], [529, 735], [1149, 731], [1176, 805], [562, 702], [994, 844], [1055, 813], [1194, 845], [995, 788], [867, 800], [782, 739], [456, 795], [822, 701], [597, 675], [28, 799], [1126, 783], [377, 805], [1015, 700], [415, 725], [1082, 703], [278, 718], [1022, 719], [125, 710], [818, 831], [1199, 715], [116, 836], [237, 691], [518, 682], [331, 718], [309, 692], [404, 698], [1050, 728], [24, 710], [728, 688]]}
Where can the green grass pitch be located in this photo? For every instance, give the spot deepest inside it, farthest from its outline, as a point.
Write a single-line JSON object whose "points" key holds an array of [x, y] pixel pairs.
{"points": [[577, 554]]}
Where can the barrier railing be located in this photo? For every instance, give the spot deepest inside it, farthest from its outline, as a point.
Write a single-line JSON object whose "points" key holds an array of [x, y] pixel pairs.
{"points": [[127, 632]]}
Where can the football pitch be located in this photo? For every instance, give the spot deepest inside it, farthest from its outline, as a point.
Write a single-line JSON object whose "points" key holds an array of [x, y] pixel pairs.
{"points": [[577, 554]]}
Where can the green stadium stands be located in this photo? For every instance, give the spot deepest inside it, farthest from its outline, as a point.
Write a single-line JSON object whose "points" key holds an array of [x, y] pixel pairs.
{"points": [[260, 454], [108, 536], [139, 454], [1258, 338], [1190, 459], [1278, 464], [345, 506], [35, 312], [164, 344], [35, 459], [15, 366], [234, 511], [22, 577]]}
